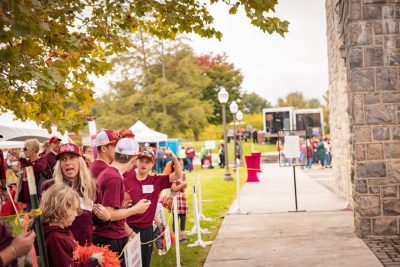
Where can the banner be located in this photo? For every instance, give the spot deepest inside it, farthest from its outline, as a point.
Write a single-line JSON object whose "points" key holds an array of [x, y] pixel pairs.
{"points": [[133, 252], [167, 235], [210, 144]]}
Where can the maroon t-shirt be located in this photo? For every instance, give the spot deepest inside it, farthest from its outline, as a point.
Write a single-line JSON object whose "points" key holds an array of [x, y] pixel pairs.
{"points": [[2, 168], [96, 167], [39, 168], [111, 185], [51, 159], [60, 245], [138, 190], [190, 153]]}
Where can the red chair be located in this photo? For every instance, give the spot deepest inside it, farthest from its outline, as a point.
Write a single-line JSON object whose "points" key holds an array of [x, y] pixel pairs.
{"points": [[257, 155], [252, 169]]}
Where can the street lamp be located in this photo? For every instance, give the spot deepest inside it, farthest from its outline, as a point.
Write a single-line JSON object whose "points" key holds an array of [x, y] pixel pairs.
{"points": [[234, 109], [239, 117], [223, 97]]}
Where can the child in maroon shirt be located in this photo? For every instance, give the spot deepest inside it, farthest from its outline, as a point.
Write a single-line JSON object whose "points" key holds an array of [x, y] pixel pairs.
{"points": [[60, 206], [111, 185], [143, 186]]}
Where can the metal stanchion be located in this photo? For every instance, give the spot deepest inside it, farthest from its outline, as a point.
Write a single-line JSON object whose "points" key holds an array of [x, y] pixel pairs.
{"points": [[176, 227]]}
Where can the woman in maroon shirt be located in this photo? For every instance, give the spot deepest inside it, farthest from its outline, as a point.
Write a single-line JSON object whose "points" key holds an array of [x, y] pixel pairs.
{"points": [[71, 170], [60, 206]]}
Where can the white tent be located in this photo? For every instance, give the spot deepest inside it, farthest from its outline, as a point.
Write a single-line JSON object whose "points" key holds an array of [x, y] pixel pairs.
{"points": [[16, 130], [144, 134]]}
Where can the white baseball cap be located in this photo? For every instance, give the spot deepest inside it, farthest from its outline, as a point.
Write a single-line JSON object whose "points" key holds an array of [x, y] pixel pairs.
{"points": [[127, 146], [106, 137]]}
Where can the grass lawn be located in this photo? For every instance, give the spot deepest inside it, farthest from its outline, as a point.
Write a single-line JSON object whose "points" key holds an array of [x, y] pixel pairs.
{"points": [[217, 196]]}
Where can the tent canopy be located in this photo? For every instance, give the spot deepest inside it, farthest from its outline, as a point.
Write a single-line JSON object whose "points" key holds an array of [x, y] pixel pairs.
{"points": [[144, 134], [16, 130]]}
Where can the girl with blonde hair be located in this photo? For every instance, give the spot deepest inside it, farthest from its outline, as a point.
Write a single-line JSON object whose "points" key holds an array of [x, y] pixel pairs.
{"points": [[60, 206], [71, 170]]}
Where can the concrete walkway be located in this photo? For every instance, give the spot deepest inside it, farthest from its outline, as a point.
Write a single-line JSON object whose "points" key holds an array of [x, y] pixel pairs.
{"points": [[271, 236]]}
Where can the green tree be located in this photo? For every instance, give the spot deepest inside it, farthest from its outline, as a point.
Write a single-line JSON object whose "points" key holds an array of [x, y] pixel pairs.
{"points": [[252, 103], [222, 74], [49, 48], [313, 103], [294, 99], [172, 104]]}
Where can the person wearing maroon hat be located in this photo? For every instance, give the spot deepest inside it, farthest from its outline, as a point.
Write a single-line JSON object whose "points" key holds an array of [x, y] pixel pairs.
{"points": [[142, 185], [105, 143], [111, 184], [71, 169], [50, 157]]}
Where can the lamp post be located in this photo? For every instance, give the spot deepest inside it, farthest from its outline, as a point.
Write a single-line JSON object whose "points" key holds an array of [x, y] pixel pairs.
{"points": [[223, 97], [234, 109], [239, 117]]}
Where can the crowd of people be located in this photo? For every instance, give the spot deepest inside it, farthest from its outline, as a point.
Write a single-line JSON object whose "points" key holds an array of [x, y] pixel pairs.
{"points": [[104, 200], [314, 151]]}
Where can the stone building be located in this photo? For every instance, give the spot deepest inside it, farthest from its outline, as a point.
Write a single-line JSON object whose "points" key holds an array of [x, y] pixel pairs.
{"points": [[364, 93]]}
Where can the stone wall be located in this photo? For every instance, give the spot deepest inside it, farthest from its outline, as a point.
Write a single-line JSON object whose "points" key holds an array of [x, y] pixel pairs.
{"points": [[338, 104], [372, 51]]}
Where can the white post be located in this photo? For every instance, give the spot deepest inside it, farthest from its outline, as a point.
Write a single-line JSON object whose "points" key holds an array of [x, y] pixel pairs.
{"points": [[199, 241], [176, 227], [201, 215], [236, 208]]}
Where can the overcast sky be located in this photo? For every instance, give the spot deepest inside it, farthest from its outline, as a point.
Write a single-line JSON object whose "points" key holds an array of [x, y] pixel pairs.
{"points": [[273, 66]]}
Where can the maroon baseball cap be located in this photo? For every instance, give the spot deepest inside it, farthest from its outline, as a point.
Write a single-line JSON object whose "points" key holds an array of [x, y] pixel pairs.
{"points": [[54, 139], [126, 133], [106, 137], [69, 148], [146, 154]]}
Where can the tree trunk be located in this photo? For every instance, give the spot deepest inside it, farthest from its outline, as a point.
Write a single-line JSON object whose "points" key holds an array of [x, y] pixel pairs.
{"points": [[196, 135]]}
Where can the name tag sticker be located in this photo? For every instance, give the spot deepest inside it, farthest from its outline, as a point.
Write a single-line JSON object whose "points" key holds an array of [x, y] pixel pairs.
{"points": [[148, 188], [84, 205]]}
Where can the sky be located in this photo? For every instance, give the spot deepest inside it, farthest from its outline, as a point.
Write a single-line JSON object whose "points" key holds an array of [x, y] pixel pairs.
{"points": [[272, 66]]}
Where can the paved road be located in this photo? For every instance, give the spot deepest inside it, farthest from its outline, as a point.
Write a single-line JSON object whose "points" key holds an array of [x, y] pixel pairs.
{"points": [[271, 236]]}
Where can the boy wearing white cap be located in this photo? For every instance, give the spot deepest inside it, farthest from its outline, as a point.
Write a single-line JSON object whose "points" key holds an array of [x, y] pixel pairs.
{"points": [[111, 184], [105, 143]]}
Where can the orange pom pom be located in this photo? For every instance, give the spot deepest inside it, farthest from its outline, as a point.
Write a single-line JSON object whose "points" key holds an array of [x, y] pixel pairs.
{"points": [[82, 254]]}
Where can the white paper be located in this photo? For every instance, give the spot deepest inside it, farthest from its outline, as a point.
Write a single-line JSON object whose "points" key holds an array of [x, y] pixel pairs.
{"points": [[148, 188], [291, 147]]}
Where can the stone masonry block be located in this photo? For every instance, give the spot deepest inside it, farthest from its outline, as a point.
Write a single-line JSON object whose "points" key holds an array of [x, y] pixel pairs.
{"points": [[391, 97], [361, 186], [372, 12], [386, 79], [380, 114], [396, 133], [362, 80], [391, 42], [371, 169], [391, 150], [389, 191], [368, 205], [391, 207], [359, 152], [372, 98], [357, 109], [362, 225], [394, 171], [355, 57], [392, 57], [373, 56], [381, 133], [388, 12], [362, 134], [360, 33], [375, 189], [385, 226], [374, 1], [374, 151], [355, 10]]}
